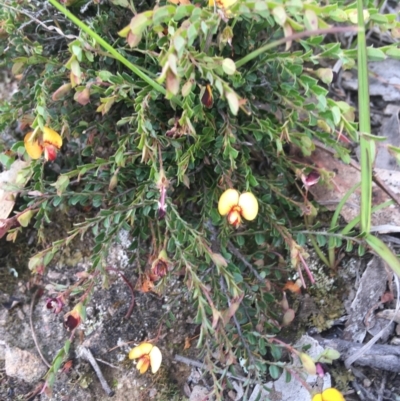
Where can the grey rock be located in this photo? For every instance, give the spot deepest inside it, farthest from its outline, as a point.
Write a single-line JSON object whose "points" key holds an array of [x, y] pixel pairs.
{"points": [[23, 365]]}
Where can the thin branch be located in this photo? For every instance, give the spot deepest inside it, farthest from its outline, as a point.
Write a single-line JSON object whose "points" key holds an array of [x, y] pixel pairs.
{"points": [[127, 282], [108, 364], [33, 329], [33, 18], [238, 255], [238, 328], [85, 353]]}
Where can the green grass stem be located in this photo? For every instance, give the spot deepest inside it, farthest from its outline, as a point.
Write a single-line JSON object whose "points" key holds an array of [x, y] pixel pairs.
{"points": [[135, 69], [366, 144]]}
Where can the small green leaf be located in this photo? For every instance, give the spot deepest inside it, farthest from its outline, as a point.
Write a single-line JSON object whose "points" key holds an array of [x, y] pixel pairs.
{"points": [[274, 371], [77, 50], [25, 218], [276, 352], [325, 75], [161, 15], [61, 184], [233, 102], [393, 52], [122, 3], [179, 43], [57, 363], [183, 11], [375, 54], [228, 66], [139, 22], [280, 15]]}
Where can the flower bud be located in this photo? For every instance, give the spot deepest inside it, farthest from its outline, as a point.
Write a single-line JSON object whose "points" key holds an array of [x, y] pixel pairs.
{"points": [[159, 267], [73, 318], [54, 304]]}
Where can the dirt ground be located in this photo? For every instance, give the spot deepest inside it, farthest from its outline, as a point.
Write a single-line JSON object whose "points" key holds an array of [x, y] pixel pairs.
{"points": [[106, 331]]}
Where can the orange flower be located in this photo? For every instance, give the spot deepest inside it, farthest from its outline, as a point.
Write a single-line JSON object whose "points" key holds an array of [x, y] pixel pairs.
{"points": [[148, 355], [48, 141]]}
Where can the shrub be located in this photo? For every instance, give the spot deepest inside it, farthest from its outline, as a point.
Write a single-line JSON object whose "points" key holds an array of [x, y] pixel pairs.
{"points": [[190, 100]]}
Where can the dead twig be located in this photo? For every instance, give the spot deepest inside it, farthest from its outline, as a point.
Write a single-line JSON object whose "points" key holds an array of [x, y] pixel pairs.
{"points": [[35, 340], [363, 393], [120, 346], [86, 354], [359, 391], [359, 353], [36, 391], [239, 256], [33, 18], [108, 364], [238, 328], [382, 387], [378, 356]]}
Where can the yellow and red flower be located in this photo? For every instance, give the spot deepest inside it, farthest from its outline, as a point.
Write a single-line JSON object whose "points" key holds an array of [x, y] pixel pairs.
{"points": [[237, 206], [222, 3], [47, 141], [149, 356], [74, 318]]}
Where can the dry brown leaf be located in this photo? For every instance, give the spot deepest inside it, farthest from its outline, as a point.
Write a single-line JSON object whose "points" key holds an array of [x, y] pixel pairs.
{"points": [[146, 285], [187, 343], [233, 307]]}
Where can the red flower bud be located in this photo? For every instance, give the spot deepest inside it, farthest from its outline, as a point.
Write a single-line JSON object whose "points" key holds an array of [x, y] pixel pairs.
{"points": [[73, 318], [159, 268]]}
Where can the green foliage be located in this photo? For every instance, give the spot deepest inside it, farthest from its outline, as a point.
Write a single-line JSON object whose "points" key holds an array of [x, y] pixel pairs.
{"points": [[185, 100]]}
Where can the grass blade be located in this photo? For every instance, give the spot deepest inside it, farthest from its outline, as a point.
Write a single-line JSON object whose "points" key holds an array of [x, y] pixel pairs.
{"points": [[366, 145]]}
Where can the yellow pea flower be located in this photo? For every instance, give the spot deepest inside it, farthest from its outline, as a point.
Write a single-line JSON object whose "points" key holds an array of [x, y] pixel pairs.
{"points": [[148, 355], [48, 141], [235, 206], [222, 3], [330, 394]]}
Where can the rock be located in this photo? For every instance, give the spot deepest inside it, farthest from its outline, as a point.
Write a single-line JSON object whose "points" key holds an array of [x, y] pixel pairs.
{"points": [[2, 351], [23, 365], [200, 393], [384, 80]]}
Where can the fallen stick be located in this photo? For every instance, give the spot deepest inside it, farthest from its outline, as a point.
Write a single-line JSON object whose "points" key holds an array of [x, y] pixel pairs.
{"points": [[384, 357], [86, 354]]}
